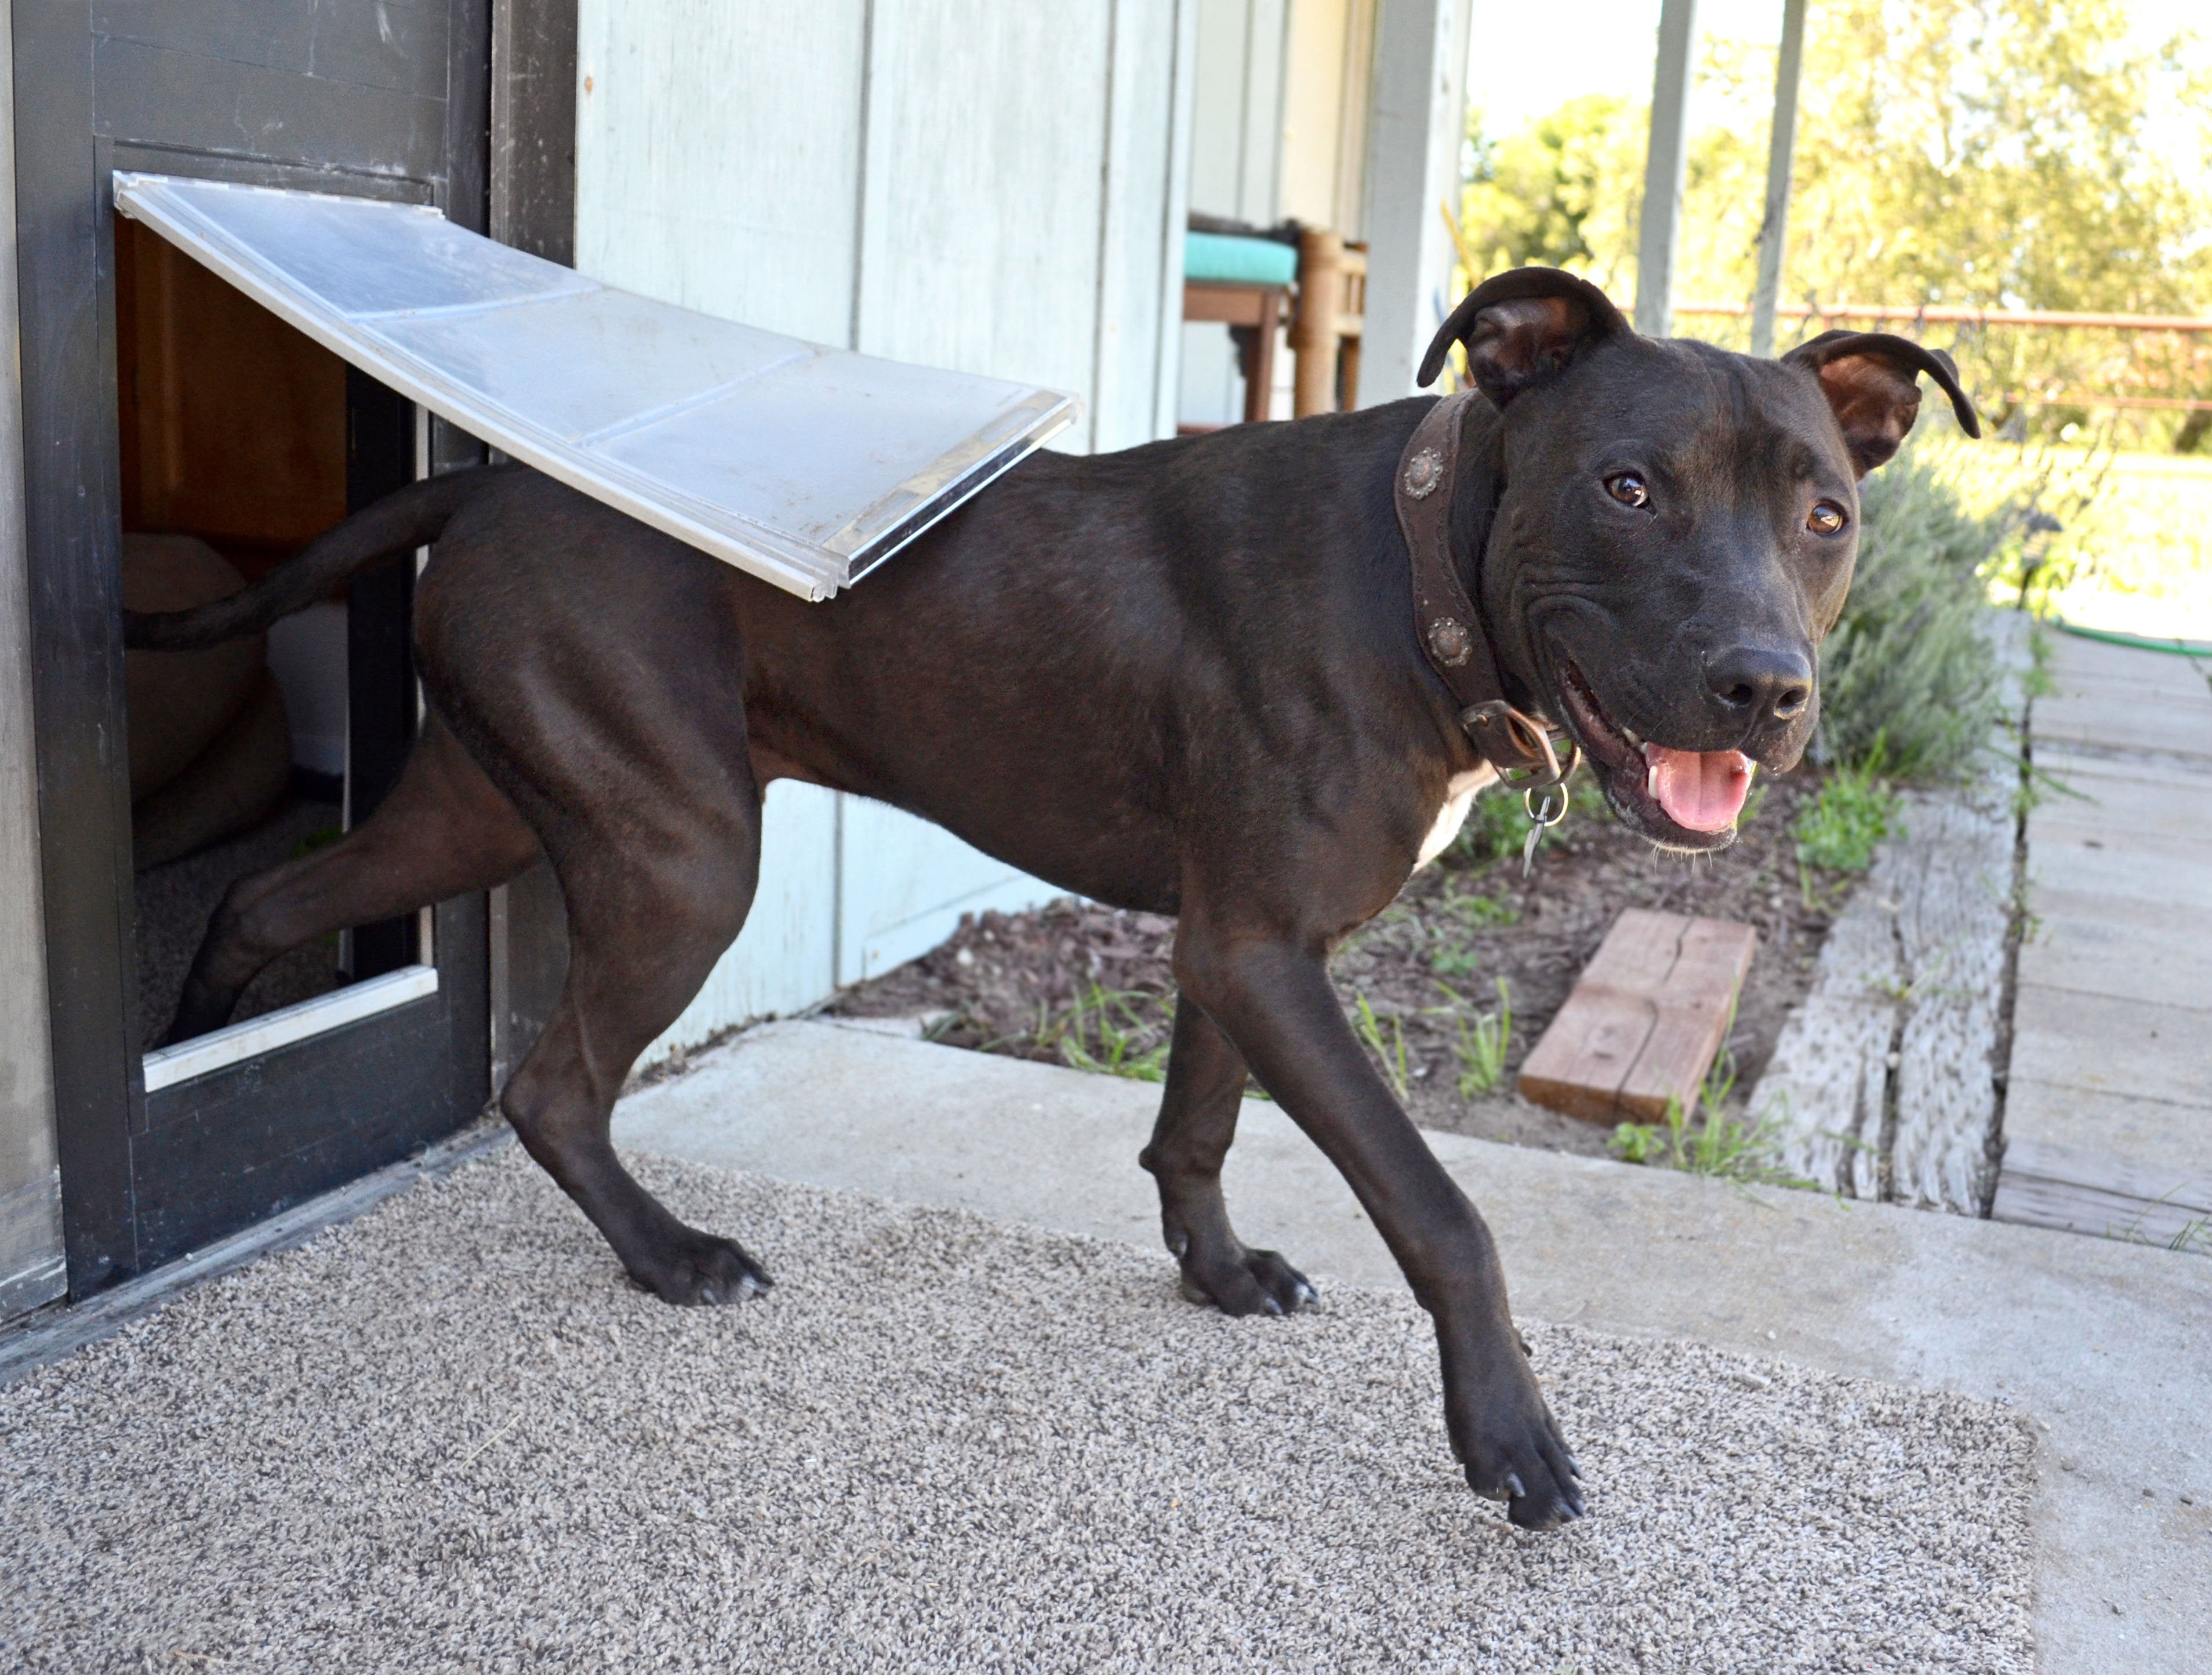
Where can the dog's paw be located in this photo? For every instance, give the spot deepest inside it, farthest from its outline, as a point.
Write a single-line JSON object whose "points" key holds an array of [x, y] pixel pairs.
{"points": [[700, 1268], [1248, 1282], [1510, 1446]]}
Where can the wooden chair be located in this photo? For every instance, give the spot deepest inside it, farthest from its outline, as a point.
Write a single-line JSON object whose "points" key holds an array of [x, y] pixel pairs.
{"points": [[1253, 313], [1326, 307], [1326, 329]]}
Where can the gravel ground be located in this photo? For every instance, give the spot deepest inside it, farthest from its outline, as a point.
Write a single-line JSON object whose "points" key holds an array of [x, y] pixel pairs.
{"points": [[1007, 983], [450, 1437]]}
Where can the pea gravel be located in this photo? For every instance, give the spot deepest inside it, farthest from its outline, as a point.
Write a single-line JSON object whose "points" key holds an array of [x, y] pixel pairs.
{"points": [[450, 1437]]}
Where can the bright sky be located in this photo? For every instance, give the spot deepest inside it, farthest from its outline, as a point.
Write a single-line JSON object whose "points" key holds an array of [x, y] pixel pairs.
{"points": [[1517, 68]]}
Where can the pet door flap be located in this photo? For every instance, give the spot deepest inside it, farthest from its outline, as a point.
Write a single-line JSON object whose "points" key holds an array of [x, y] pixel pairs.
{"points": [[804, 465]]}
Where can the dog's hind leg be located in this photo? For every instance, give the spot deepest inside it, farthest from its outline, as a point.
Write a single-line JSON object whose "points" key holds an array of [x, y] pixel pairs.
{"points": [[443, 830], [652, 901], [1197, 1122]]}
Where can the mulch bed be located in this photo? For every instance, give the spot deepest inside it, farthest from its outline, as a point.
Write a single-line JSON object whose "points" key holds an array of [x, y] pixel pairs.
{"points": [[1072, 982]]}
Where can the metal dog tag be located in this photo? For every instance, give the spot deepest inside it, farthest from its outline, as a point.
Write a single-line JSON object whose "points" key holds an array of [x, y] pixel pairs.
{"points": [[1545, 815]]}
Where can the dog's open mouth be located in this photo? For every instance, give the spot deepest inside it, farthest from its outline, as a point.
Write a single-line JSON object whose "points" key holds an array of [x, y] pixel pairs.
{"points": [[1685, 799]]}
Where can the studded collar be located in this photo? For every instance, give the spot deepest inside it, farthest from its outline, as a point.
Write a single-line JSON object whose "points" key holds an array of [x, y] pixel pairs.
{"points": [[1445, 619]]}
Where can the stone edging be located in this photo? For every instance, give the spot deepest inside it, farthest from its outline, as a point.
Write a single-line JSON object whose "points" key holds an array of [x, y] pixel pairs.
{"points": [[1887, 1082]]}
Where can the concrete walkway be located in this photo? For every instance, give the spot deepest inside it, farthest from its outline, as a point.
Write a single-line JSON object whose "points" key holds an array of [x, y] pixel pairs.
{"points": [[2112, 1058], [2107, 1344]]}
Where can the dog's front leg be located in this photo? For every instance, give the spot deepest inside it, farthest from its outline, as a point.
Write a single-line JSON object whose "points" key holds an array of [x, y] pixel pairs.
{"points": [[1197, 1120], [1275, 1003]]}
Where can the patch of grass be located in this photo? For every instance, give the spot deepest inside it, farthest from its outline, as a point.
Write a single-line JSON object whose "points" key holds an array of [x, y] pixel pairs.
{"points": [[1390, 1053], [1842, 824], [1483, 1040], [1114, 1032]]}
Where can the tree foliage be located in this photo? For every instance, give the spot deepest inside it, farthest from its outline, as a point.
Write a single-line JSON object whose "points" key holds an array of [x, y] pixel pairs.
{"points": [[1984, 154]]}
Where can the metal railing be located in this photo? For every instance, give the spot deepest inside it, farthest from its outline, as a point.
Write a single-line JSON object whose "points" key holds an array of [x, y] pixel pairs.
{"points": [[2120, 367]]}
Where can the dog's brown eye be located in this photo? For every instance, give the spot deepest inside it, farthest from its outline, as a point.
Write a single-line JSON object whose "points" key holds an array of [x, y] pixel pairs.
{"points": [[1628, 489], [1825, 519]]}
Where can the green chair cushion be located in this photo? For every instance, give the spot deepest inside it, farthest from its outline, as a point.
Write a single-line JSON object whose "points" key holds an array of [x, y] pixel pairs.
{"points": [[1222, 259]]}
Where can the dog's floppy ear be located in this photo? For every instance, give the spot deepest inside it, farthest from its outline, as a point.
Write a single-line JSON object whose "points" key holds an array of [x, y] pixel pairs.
{"points": [[1522, 326], [1872, 381]]}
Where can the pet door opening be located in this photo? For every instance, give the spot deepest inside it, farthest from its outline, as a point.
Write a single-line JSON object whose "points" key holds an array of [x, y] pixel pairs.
{"points": [[240, 440]]}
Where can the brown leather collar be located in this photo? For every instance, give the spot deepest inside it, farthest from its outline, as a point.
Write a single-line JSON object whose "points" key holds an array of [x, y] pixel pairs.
{"points": [[1445, 619]]}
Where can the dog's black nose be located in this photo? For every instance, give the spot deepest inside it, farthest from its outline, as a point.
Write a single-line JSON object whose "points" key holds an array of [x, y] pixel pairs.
{"points": [[1762, 682]]}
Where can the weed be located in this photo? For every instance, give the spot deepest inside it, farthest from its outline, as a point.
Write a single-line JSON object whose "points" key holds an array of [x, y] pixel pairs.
{"points": [[1482, 912], [1115, 1032], [1391, 1054], [2038, 785], [2194, 1234], [2039, 682], [1457, 962], [1720, 1078], [1476, 912], [1720, 1147], [1854, 810], [1483, 1041]]}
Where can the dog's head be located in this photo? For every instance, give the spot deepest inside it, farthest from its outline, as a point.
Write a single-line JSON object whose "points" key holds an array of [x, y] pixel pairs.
{"points": [[1675, 533]]}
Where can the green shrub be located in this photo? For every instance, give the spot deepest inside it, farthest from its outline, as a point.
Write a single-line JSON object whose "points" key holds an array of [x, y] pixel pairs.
{"points": [[1910, 664]]}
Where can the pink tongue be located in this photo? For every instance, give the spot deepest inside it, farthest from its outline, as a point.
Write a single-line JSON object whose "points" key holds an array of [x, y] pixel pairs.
{"points": [[1701, 790]]}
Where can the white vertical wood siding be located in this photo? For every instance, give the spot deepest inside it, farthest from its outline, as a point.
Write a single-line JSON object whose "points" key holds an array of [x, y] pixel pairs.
{"points": [[991, 185], [31, 1267], [718, 156]]}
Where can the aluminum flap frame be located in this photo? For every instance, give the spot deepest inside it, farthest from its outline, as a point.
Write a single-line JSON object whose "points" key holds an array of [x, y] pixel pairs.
{"points": [[804, 465]]}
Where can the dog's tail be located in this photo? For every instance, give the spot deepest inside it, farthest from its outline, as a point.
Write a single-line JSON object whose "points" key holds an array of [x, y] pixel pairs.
{"points": [[413, 517]]}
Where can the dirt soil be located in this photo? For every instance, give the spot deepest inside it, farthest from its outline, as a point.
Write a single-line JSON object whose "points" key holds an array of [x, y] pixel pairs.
{"points": [[1075, 983]]}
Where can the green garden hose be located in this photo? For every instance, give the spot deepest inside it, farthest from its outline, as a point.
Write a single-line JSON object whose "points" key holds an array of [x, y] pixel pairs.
{"points": [[2195, 648]]}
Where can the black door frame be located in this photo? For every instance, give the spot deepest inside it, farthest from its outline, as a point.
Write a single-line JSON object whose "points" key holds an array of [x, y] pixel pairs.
{"points": [[144, 1180]]}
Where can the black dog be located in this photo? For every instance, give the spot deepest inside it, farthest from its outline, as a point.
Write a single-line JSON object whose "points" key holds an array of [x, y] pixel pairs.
{"points": [[1189, 678]]}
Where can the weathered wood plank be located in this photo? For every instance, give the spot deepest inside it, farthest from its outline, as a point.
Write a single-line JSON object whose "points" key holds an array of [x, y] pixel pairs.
{"points": [[2105, 1173], [1578, 1066], [1696, 1003], [1883, 1082], [1952, 882], [2075, 1190], [1644, 1021], [1826, 1086]]}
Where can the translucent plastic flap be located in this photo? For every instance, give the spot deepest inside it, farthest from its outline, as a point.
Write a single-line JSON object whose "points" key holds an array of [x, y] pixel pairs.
{"points": [[804, 465]]}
